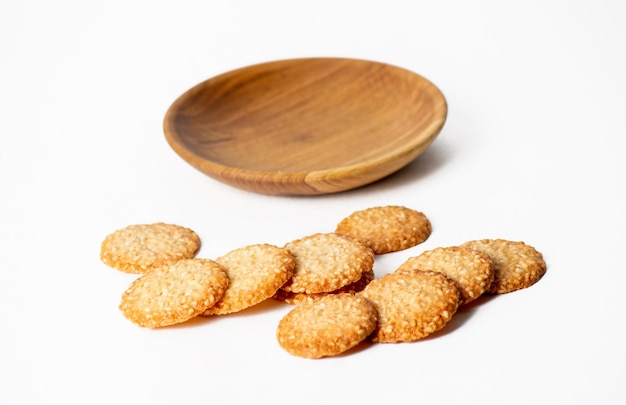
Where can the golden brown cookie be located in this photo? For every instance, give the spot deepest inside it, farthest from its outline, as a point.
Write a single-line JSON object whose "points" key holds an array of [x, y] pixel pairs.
{"points": [[411, 304], [174, 293], [472, 271], [138, 249], [386, 229], [517, 265], [303, 298], [326, 327], [326, 262], [255, 272]]}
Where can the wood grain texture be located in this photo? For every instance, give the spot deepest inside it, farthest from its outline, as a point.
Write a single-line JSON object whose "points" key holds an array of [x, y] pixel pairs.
{"points": [[305, 126]]}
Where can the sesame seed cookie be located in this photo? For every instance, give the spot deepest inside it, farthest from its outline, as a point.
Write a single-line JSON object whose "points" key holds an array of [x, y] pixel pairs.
{"points": [[255, 272], [517, 265], [472, 270], [303, 298], [174, 293], [137, 249], [411, 305], [387, 229], [326, 262], [326, 327]]}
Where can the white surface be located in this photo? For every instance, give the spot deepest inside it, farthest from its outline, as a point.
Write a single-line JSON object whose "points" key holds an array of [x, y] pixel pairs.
{"points": [[532, 150]]}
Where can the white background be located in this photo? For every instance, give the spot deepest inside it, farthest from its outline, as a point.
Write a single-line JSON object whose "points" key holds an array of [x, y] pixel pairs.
{"points": [[532, 150]]}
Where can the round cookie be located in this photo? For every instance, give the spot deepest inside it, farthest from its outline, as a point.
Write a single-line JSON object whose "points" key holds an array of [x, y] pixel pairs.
{"points": [[411, 304], [386, 229], [303, 298], [137, 249], [326, 262], [255, 272], [174, 293], [326, 327], [472, 270], [517, 265]]}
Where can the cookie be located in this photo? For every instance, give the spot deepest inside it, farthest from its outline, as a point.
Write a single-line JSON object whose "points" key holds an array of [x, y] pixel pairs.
{"points": [[517, 265], [386, 229], [138, 249], [174, 293], [411, 305], [255, 272], [472, 271], [326, 262], [326, 327], [303, 298]]}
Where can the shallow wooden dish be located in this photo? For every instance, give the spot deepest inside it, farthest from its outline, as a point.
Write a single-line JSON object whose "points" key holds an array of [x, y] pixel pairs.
{"points": [[305, 126]]}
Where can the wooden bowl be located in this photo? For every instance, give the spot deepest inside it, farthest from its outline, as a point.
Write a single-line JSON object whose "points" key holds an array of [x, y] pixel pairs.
{"points": [[305, 126]]}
